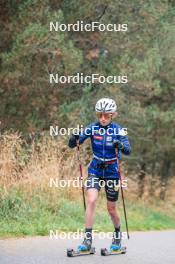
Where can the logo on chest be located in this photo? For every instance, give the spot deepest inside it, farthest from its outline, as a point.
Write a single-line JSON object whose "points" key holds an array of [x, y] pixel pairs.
{"points": [[108, 138], [97, 137]]}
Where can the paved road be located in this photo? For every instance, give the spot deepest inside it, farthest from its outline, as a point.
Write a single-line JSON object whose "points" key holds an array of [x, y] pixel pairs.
{"points": [[143, 248]]}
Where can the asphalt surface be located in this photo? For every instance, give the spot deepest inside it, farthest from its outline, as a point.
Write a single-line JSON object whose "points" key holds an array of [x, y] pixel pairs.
{"points": [[152, 247]]}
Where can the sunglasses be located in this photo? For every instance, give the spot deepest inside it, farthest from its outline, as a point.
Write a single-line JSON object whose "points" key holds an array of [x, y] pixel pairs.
{"points": [[104, 115]]}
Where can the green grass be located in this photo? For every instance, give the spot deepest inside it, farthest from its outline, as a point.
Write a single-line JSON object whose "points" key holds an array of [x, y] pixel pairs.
{"points": [[37, 215]]}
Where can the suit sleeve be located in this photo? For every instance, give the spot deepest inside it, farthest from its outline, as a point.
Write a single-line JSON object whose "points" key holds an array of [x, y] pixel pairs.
{"points": [[87, 133]]}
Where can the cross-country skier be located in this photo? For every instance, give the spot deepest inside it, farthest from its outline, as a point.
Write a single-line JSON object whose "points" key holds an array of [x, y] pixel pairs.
{"points": [[105, 139]]}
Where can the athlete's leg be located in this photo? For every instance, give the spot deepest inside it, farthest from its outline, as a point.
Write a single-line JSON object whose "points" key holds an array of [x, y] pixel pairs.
{"points": [[112, 192], [92, 189], [113, 212], [92, 195]]}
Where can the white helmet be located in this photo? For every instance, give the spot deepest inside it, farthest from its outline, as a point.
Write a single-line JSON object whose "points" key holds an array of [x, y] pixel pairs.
{"points": [[106, 105]]}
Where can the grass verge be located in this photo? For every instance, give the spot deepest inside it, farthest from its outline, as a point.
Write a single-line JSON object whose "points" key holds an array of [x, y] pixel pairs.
{"points": [[21, 215]]}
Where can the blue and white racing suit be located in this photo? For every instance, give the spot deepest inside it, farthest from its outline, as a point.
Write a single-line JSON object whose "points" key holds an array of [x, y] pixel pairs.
{"points": [[104, 163]]}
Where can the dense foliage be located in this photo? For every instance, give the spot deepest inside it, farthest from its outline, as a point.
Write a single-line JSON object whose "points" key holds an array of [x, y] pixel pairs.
{"points": [[145, 53]]}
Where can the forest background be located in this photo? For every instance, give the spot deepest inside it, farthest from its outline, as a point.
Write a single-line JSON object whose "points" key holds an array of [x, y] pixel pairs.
{"points": [[29, 157]]}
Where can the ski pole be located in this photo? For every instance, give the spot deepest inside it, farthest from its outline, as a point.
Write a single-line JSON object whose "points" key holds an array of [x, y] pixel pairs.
{"points": [[123, 199], [81, 173]]}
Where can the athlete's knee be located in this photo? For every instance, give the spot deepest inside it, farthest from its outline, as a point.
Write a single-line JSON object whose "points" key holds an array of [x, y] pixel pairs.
{"points": [[92, 201]]}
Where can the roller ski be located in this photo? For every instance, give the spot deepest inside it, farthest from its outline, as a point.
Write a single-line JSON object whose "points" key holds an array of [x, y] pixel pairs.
{"points": [[84, 249], [115, 248], [111, 251]]}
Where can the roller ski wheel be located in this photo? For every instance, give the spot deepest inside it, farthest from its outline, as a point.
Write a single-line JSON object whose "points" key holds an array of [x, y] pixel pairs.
{"points": [[75, 253], [106, 252]]}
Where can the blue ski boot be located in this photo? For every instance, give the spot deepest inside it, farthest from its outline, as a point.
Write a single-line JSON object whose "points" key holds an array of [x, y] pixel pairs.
{"points": [[86, 245], [116, 241]]}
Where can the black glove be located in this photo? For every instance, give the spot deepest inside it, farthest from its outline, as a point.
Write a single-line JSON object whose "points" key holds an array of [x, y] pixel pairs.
{"points": [[76, 136], [118, 144], [73, 141]]}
